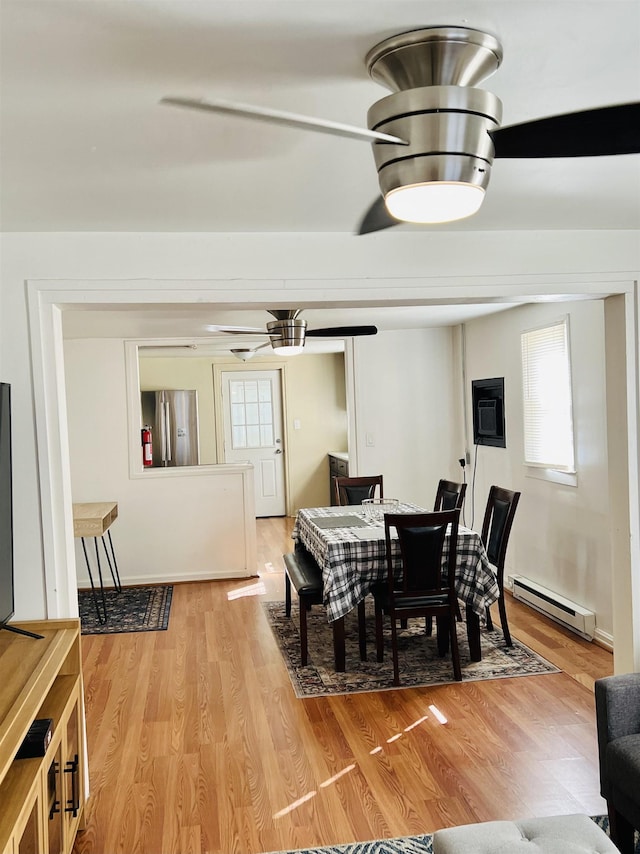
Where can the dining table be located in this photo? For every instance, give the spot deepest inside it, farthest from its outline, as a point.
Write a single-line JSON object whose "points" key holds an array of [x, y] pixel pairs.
{"points": [[349, 547]]}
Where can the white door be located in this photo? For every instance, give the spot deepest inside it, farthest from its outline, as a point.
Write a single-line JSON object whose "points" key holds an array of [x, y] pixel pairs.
{"points": [[253, 433]]}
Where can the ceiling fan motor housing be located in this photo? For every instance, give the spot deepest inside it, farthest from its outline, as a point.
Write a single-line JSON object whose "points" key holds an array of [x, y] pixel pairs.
{"points": [[448, 131], [287, 332], [431, 73]]}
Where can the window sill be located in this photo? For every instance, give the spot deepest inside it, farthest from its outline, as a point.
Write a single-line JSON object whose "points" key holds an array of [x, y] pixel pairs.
{"points": [[566, 478]]}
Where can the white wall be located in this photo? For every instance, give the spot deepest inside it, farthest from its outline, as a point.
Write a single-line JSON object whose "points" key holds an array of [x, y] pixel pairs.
{"points": [[171, 526], [407, 399], [279, 269], [560, 535], [408, 394], [180, 524]]}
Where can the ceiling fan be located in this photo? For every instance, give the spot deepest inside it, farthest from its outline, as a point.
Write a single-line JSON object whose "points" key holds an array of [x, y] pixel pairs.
{"points": [[288, 332], [436, 136]]}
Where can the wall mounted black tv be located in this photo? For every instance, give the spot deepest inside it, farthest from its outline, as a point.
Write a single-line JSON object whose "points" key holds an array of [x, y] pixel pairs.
{"points": [[488, 412], [7, 600]]}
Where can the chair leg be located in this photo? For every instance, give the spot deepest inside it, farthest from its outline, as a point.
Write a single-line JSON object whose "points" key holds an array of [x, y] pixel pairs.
{"points": [[442, 635], [428, 626], [287, 595], [362, 631], [503, 620], [458, 612], [379, 637], [303, 633], [620, 831], [394, 650], [455, 652], [489, 620]]}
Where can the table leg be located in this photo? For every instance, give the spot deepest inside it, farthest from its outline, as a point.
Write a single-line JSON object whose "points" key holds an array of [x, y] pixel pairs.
{"points": [[473, 634], [102, 614], [112, 566], [338, 645]]}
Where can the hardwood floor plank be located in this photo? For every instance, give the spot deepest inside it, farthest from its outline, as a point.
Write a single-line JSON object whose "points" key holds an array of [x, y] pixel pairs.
{"points": [[197, 742]]}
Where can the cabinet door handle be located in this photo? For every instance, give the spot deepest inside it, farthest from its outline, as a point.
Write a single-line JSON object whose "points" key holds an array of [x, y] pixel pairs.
{"points": [[55, 804], [72, 768]]}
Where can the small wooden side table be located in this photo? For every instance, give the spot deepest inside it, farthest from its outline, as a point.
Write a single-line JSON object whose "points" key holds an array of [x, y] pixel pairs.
{"points": [[93, 519]]}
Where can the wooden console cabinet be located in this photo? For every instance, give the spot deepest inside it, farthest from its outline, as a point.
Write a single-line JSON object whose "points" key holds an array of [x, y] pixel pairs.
{"points": [[41, 799]]}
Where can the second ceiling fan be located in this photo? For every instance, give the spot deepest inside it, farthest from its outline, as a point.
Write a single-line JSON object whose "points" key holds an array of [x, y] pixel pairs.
{"points": [[288, 332], [436, 136]]}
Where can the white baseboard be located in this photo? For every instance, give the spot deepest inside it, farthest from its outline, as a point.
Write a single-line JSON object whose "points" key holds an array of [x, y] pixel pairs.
{"points": [[138, 580], [603, 639]]}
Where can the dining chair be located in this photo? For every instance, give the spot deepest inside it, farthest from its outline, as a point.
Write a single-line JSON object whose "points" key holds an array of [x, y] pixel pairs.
{"points": [[449, 495], [354, 490], [424, 587], [496, 528]]}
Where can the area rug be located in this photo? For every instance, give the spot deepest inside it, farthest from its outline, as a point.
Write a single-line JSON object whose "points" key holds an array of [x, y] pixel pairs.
{"points": [[419, 661], [405, 844], [135, 609]]}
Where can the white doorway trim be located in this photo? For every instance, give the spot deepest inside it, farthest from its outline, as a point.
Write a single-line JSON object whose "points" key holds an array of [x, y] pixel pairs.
{"points": [[47, 298]]}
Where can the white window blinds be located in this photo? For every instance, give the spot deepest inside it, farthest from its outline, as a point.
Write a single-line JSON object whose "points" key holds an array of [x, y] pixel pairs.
{"points": [[546, 385]]}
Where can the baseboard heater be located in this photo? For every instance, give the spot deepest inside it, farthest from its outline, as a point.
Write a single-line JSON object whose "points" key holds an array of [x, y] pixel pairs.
{"points": [[562, 610]]}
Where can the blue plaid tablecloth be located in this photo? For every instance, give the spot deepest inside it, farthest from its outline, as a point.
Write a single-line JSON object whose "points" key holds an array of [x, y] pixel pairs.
{"points": [[350, 565]]}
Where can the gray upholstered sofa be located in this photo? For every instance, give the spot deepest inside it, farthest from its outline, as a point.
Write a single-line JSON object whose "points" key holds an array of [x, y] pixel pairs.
{"points": [[618, 721], [555, 834]]}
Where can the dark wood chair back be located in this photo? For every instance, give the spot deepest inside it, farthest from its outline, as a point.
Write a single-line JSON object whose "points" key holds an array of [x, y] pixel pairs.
{"points": [[496, 528], [421, 580], [449, 495], [354, 490]]}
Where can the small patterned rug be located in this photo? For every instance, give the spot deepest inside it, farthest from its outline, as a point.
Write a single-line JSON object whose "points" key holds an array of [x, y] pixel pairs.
{"points": [[406, 844], [419, 661], [136, 609]]}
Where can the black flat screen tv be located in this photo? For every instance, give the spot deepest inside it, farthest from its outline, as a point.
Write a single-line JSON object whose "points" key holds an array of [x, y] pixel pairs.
{"points": [[7, 593], [488, 412], [7, 603]]}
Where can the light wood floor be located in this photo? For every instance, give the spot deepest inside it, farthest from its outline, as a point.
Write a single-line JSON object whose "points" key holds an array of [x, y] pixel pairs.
{"points": [[198, 744]]}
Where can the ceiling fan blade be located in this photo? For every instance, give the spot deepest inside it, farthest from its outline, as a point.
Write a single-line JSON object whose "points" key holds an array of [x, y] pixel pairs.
{"points": [[377, 218], [341, 331], [589, 133], [280, 117], [237, 330]]}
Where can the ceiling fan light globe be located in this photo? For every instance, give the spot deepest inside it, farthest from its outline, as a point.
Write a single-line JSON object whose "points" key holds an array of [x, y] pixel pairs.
{"points": [[288, 349], [434, 201], [243, 354]]}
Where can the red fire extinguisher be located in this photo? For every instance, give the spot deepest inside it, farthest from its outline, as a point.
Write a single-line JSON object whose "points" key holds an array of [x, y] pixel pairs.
{"points": [[147, 446]]}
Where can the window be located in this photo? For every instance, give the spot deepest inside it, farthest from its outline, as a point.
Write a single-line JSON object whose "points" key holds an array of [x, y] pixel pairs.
{"points": [[251, 414], [546, 391]]}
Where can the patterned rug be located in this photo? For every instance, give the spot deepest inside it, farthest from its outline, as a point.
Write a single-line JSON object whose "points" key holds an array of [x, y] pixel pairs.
{"points": [[405, 844], [136, 609], [419, 661]]}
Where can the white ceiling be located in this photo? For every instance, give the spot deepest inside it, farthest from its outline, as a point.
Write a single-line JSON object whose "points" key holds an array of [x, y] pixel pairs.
{"points": [[189, 324], [85, 145]]}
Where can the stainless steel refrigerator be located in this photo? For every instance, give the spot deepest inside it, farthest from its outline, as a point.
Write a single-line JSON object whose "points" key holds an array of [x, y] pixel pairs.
{"points": [[173, 418]]}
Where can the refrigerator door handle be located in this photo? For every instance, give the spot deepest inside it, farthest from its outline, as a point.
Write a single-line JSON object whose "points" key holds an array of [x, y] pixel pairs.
{"points": [[162, 427], [167, 431]]}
